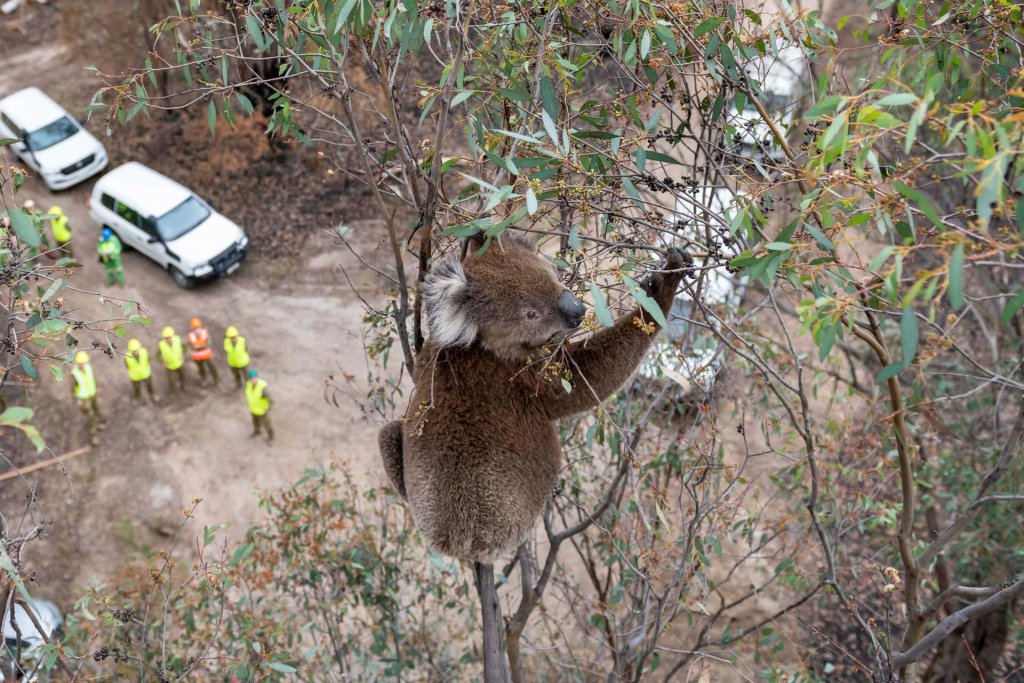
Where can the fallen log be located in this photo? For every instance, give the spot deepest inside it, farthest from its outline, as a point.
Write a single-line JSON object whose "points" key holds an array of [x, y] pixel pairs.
{"points": [[64, 457]]}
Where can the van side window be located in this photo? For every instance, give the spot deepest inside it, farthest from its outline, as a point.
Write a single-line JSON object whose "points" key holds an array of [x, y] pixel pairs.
{"points": [[107, 201], [126, 212], [145, 225]]}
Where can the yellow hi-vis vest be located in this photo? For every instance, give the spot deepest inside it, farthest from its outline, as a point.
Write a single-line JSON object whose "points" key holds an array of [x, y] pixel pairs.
{"points": [[172, 352], [85, 381], [238, 355], [138, 366], [61, 231], [258, 403]]}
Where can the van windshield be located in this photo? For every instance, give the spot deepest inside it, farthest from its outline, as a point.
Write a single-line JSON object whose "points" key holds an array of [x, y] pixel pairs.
{"points": [[48, 136], [181, 219]]}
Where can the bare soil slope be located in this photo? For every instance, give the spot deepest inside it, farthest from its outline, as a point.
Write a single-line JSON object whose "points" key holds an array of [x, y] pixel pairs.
{"points": [[290, 299]]}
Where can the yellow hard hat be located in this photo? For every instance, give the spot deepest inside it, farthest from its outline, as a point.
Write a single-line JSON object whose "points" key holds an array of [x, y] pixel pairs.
{"points": [[55, 211], [232, 331], [134, 345], [81, 358], [168, 332]]}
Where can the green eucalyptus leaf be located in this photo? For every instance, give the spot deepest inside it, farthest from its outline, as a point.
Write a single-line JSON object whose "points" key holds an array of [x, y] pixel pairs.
{"points": [[649, 305], [955, 277], [909, 335], [601, 312], [16, 415], [1011, 307], [211, 117], [24, 229], [923, 203], [897, 100]]}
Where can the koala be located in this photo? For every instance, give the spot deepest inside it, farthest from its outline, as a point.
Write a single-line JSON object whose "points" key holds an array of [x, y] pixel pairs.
{"points": [[477, 454]]}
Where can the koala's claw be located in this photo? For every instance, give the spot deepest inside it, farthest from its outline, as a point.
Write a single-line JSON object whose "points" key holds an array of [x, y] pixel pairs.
{"points": [[669, 271], [676, 258]]}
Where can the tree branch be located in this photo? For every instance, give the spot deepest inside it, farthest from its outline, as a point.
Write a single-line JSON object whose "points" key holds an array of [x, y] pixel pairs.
{"points": [[955, 621], [1014, 441]]}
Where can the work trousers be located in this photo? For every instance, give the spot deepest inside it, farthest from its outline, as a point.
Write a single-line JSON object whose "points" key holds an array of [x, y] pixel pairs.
{"points": [[204, 367], [91, 409], [176, 376], [137, 389], [259, 421], [239, 375], [115, 273]]}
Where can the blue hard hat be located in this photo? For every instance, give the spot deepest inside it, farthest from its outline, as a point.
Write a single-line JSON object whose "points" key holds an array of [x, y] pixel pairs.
{"points": [[251, 373], [106, 233]]}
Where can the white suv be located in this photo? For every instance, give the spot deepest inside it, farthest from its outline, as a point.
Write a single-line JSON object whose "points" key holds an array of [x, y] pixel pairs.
{"points": [[28, 640], [780, 76], [165, 221], [49, 140]]}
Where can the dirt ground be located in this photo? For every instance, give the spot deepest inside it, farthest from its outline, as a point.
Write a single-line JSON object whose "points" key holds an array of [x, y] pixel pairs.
{"points": [[303, 325]]}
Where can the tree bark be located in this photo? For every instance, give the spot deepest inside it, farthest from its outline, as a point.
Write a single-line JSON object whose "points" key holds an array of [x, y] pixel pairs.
{"points": [[495, 668]]}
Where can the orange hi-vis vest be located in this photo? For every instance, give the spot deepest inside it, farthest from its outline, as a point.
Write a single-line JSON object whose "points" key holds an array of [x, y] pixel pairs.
{"points": [[199, 340]]}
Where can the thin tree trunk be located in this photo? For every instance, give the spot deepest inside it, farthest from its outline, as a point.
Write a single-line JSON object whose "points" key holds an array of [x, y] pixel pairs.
{"points": [[495, 668]]}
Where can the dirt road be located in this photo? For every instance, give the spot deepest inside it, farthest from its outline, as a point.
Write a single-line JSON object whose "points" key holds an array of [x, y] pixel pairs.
{"points": [[303, 324]]}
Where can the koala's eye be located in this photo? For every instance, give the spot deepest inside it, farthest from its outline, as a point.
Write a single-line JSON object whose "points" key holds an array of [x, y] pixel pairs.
{"points": [[531, 314]]}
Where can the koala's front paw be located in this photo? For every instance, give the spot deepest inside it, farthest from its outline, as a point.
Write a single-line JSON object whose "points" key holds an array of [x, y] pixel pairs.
{"points": [[662, 284], [676, 259]]}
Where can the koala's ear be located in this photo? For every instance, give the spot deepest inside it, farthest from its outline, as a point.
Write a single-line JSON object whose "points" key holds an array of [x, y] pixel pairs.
{"points": [[512, 238], [445, 298]]}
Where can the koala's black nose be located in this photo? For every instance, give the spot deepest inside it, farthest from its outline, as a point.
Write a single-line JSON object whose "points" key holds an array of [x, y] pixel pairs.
{"points": [[572, 308]]}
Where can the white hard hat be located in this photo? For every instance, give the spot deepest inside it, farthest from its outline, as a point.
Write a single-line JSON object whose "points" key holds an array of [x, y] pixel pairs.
{"points": [[28, 205]]}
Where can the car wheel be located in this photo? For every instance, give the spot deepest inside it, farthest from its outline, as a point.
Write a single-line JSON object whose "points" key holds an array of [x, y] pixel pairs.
{"points": [[182, 280]]}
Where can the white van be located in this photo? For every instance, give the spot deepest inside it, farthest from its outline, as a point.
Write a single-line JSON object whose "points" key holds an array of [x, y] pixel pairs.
{"points": [[49, 140], [165, 221], [780, 76]]}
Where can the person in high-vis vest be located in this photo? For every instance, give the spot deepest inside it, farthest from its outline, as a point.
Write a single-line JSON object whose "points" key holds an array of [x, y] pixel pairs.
{"points": [[139, 370], [202, 354], [237, 353], [172, 353], [109, 249], [61, 232], [258, 398], [83, 388]]}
